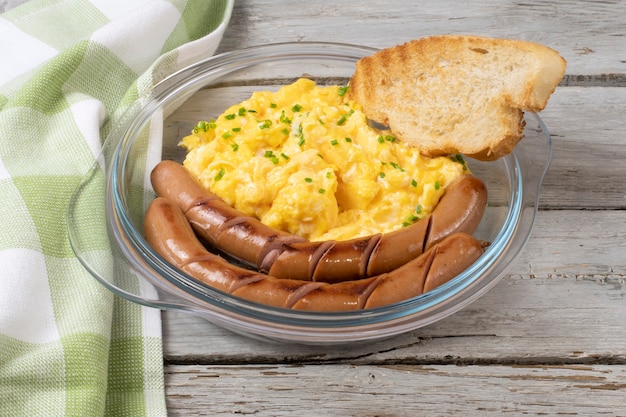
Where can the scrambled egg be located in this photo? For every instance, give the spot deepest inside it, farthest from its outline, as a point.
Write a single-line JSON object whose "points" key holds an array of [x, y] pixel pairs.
{"points": [[304, 160]]}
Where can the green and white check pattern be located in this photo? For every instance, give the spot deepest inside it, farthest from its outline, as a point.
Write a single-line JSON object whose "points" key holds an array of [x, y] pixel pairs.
{"points": [[68, 69]]}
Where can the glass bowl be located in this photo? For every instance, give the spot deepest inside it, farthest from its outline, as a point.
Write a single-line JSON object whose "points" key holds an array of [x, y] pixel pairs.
{"points": [[106, 211]]}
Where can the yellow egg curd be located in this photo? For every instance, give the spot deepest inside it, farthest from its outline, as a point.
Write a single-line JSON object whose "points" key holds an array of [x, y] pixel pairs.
{"points": [[303, 159]]}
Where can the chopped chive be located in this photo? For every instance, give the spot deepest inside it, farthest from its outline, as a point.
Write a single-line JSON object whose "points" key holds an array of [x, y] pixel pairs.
{"points": [[284, 119], [418, 209], [381, 139], [349, 140], [236, 129], [296, 108], [265, 124], [270, 155], [390, 138], [396, 166], [220, 174], [320, 121], [321, 191], [413, 183], [285, 131], [308, 180], [273, 105], [328, 174], [381, 175], [334, 142], [459, 158], [241, 111], [285, 157], [234, 146], [437, 185], [201, 126], [226, 135], [251, 111], [342, 90], [301, 136], [230, 116]]}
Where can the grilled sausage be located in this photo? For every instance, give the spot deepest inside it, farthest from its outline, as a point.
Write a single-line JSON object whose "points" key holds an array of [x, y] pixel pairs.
{"points": [[168, 231], [282, 254]]}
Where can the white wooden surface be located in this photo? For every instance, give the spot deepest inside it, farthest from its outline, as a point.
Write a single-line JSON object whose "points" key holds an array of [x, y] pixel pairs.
{"points": [[549, 339]]}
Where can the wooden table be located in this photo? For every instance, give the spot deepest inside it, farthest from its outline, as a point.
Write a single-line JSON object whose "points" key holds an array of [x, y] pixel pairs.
{"points": [[549, 339]]}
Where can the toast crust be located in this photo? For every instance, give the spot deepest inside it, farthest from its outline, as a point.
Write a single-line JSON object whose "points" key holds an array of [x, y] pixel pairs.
{"points": [[457, 94]]}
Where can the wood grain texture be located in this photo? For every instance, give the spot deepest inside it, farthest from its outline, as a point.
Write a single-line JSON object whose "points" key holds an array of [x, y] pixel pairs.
{"points": [[590, 35], [397, 390]]}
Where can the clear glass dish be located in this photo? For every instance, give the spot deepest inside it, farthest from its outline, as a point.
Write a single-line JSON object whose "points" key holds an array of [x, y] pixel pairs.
{"points": [[115, 193]]}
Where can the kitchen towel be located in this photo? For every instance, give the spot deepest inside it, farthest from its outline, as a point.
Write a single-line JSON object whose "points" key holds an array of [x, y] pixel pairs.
{"points": [[68, 70]]}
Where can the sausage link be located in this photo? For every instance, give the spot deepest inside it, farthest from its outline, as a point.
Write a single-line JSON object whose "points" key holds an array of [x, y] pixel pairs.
{"points": [[169, 233], [220, 225], [328, 261], [282, 254], [460, 209]]}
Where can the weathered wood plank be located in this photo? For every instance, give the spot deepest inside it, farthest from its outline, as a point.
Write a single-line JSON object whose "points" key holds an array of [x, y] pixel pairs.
{"points": [[590, 35], [589, 151], [400, 390], [564, 301]]}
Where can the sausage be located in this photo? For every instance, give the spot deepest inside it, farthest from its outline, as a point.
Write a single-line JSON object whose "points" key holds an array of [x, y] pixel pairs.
{"points": [[282, 254], [168, 231], [242, 237]]}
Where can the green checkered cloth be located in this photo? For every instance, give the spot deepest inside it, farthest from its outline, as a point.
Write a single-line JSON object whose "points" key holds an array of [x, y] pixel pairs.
{"points": [[68, 69]]}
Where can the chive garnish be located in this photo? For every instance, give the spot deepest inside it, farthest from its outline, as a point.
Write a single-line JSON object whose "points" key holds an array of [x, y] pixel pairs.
{"points": [[265, 124]]}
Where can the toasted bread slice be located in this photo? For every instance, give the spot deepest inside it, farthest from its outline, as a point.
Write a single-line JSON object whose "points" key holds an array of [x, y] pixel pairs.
{"points": [[457, 94]]}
